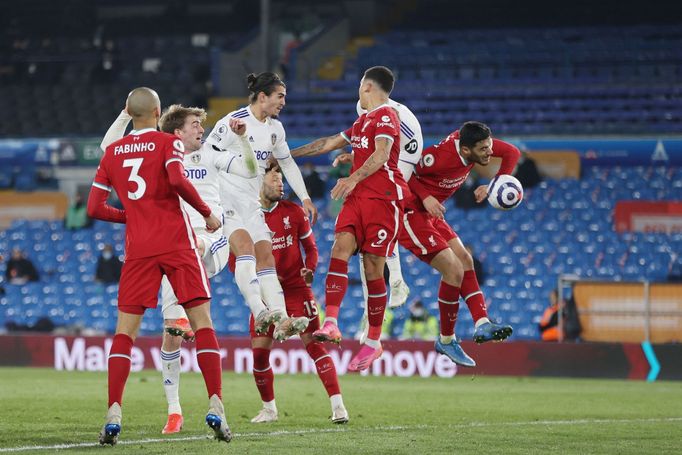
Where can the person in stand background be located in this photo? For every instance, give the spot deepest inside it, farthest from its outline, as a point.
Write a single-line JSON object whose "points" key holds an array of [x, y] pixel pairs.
{"points": [[20, 269], [555, 328], [421, 325], [77, 214], [527, 171], [108, 266], [317, 189]]}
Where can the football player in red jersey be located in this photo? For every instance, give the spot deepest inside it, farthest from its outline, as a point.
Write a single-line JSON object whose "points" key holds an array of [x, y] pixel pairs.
{"points": [[369, 220], [291, 230], [146, 171], [441, 171]]}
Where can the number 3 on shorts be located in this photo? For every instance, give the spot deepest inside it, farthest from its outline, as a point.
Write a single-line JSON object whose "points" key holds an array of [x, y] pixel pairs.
{"points": [[381, 235], [135, 164]]}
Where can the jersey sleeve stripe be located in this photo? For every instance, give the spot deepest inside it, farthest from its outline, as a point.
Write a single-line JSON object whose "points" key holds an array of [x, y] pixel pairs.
{"points": [[406, 131], [385, 136], [306, 235], [407, 128], [343, 135], [173, 159], [101, 187]]}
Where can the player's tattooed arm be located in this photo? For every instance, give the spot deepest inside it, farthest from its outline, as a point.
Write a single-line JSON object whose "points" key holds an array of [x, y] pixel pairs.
{"points": [[377, 159], [320, 146]]}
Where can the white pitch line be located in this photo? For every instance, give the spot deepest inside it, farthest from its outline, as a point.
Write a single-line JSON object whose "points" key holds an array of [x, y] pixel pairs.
{"points": [[355, 430]]}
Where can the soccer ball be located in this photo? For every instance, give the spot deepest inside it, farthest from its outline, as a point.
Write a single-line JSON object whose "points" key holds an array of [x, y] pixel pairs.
{"points": [[505, 192]]}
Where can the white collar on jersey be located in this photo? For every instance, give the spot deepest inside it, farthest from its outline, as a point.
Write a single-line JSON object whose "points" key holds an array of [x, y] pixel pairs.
{"points": [[459, 153], [142, 131], [271, 209], [264, 122], [379, 107]]}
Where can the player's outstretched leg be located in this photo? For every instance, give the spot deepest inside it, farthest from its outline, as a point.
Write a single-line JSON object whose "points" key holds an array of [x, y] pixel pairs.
{"points": [[112, 426]]}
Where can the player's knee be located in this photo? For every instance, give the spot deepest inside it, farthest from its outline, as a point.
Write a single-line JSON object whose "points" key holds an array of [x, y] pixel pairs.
{"points": [[170, 343], [241, 244], [374, 266]]}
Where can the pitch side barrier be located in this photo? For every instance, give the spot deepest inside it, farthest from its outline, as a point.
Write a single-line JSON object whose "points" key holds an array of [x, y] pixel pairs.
{"points": [[401, 358]]}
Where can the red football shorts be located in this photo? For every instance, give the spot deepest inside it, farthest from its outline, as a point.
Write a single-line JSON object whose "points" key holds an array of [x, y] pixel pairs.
{"points": [[141, 279], [299, 302], [424, 235], [375, 223]]}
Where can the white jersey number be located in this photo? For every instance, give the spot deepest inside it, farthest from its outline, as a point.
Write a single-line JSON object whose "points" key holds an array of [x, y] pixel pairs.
{"points": [[135, 164]]}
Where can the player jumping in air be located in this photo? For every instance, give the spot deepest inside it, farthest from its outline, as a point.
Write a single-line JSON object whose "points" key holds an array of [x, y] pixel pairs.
{"points": [[245, 228], [146, 171], [369, 220], [441, 171]]}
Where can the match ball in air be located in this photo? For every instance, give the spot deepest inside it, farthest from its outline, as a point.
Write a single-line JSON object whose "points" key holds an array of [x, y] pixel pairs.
{"points": [[505, 192]]}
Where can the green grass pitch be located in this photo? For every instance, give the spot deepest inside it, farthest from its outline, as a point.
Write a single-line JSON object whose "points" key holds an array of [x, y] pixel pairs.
{"points": [[465, 414]]}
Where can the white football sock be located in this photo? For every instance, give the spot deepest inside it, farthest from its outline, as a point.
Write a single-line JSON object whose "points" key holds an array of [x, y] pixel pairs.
{"points": [[395, 272], [170, 370], [271, 290], [336, 401], [270, 405], [363, 278], [247, 282]]}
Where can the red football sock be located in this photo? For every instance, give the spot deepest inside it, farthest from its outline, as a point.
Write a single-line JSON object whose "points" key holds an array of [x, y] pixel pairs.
{"points": [[208, 358], [473, 296], [336, 285], [448, 304], [325, 367], [376, 306], [119, 366], [262, 373]]}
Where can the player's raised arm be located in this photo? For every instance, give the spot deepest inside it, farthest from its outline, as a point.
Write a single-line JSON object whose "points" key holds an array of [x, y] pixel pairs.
{"points": [[247, 166], [320, 146], [377, 159], [117, 129]]}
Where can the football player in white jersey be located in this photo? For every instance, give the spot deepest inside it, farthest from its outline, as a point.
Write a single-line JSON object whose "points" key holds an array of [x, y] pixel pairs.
{"points": [[202, 164], [249, 237], [411, 146]]}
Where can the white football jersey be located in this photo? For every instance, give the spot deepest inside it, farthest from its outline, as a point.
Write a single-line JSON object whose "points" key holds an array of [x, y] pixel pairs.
{"points": [[202, 168], [267, 139], [411, 140]]}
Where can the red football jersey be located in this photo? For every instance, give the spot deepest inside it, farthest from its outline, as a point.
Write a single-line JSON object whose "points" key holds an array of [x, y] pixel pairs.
{"points": [[387, 182], [291, 230], [442, 170], [135, 166]]}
